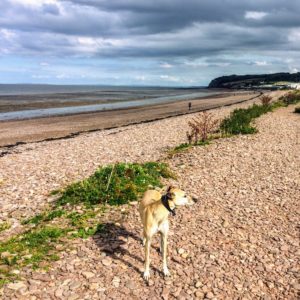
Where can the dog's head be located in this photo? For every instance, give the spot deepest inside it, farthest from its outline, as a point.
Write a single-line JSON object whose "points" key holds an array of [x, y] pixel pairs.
{"points": [[178, 196]]}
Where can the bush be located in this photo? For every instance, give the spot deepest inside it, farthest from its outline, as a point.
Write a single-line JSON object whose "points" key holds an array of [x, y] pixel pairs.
{"points": [[291, 98], [115, 184], [265, 99], [200, 128], [239, 121], [297, 110]]}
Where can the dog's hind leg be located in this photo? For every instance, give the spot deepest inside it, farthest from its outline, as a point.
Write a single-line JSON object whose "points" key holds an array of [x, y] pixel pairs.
{"points": [[147, 258], [144, 238], [164, 236]]}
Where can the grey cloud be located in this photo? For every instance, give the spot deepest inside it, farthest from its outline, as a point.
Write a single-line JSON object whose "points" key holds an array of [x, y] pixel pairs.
{"points": [[49, 8], [162, 30]]}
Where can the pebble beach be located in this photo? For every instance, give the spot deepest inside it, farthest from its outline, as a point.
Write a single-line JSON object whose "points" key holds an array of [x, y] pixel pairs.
{"points": [[239, 241]]}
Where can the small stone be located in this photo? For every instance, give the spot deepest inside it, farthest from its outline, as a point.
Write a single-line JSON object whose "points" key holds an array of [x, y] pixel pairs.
{"points": [[199, 295], [17, 286], [75, 285], [81, 254], [209, 295], [73, 297], [88, 275], [165, 293], [131, 284], [59, 293], [185, 255], [116, 282], [225, 223], [180, 251], [198, 284], [284, 248], [106, 262], [93, 286]]}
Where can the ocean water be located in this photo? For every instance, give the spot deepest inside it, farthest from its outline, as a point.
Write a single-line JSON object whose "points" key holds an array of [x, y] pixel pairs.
{"points": [[113, 98]]}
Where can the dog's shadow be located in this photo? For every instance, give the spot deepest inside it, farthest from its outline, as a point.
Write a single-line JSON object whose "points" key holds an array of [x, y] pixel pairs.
{"points": [[113, 241]]}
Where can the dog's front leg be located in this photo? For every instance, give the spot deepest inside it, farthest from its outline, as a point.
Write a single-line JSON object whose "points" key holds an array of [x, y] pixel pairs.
{"points": [[164, 237], [147, 258]]}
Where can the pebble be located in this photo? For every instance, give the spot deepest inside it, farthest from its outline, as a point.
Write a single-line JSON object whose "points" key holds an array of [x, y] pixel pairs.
{"points": [[106, 262], [17, 286], [88, 275]]}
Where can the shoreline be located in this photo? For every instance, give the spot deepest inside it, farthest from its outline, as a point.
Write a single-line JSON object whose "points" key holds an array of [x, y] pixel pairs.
{"points": [[14, 103], [19, 132]]}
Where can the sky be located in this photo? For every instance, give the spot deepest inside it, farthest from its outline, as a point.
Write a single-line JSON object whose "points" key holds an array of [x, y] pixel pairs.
{"points": [[146, 42]]}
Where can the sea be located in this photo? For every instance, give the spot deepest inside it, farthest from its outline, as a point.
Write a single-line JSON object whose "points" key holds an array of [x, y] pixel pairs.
{"points": [[111, 98]]}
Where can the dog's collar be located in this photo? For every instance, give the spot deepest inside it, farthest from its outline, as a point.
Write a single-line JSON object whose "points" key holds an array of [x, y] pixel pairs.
{"points": [[165, 202]]}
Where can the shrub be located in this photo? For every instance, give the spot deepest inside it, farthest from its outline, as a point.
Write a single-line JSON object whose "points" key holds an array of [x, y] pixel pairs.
{"points": [[291, 98], [239, 121], [265, 99], [297, 110], [115, 184], [200, 128]]}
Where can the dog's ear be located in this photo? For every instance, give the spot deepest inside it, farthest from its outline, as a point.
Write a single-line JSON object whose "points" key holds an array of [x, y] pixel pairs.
{"points": [[169, 188], [170, 195]]}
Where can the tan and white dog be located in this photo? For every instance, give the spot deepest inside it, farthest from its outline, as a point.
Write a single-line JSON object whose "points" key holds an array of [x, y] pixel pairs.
{"points": [[155, 208]]}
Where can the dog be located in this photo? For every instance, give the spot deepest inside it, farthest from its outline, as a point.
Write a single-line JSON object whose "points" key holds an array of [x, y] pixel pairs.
{"points": [[154, 209]]}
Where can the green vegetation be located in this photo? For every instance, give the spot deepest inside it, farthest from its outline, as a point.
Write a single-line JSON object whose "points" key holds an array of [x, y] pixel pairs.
{"points": [[4, 226], [115, 184], [239, 121], [45, 217], [84, 224], [184, 147], [30, 247]]}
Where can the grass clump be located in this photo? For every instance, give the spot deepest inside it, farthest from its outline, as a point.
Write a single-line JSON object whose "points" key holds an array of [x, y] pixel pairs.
{"points": [[4, 226], [44, 217], [30, 247], [84, 224], [115, 184], [184, 147], [239, 121]]}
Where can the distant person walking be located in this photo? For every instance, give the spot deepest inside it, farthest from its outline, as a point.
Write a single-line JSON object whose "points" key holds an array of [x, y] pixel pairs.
{"points": [[190, 105]]}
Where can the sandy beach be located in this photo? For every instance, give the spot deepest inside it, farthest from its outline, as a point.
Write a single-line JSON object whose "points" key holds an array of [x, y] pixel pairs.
{"points": [[38, 129]]}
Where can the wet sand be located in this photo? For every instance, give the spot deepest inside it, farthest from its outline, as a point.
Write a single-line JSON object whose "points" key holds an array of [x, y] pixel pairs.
{"points": [[12, 132]]}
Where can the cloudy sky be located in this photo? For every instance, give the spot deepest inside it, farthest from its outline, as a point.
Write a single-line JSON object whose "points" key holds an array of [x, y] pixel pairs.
{"points": [[146, 42]]}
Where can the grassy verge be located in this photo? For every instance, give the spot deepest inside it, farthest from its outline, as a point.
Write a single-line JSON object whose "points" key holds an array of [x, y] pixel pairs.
{"points": [[240, 120], [76, 214]]}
